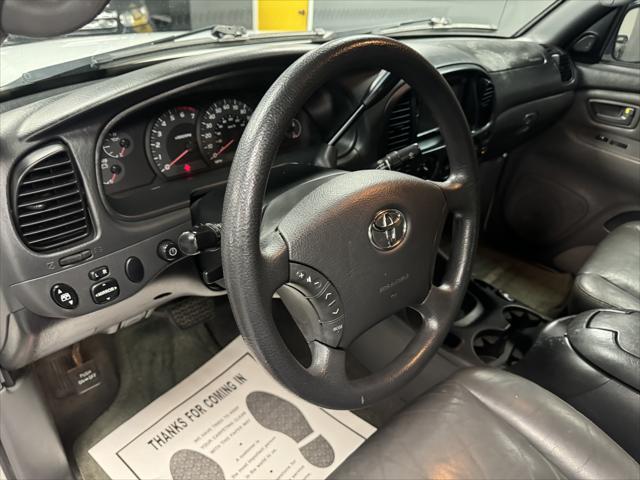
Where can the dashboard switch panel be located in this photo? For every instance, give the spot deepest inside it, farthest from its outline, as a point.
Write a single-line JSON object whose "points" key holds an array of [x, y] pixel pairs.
{"points": [[64, 296], [106, 291]]}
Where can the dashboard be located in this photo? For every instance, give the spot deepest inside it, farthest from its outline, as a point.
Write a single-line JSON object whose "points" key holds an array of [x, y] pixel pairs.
{"points": [[103, 177]]}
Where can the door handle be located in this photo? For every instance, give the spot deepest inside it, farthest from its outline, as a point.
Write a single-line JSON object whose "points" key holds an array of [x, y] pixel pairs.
{"points": [[613, 113]]}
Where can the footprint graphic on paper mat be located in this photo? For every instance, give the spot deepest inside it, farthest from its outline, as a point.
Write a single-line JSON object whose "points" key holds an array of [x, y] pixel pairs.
{"points": [[192, 465], [275, 413]]}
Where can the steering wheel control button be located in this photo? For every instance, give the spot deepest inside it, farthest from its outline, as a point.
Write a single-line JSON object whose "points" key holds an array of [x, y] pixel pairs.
{"points": [[134, 269], [310, 282], [75, 258], [332, 332], [328, 305], [64, 296], [168, 250], [99, 273], [106, 291]]}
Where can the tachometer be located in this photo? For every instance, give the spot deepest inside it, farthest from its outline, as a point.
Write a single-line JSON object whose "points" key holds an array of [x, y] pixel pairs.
{"points": [[172, 142], [220, 128]]}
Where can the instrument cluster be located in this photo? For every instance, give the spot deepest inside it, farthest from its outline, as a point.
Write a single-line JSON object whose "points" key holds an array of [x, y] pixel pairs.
{"points": [[179, 141]]}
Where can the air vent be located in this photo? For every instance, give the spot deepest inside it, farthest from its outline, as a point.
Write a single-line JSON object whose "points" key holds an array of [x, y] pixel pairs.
{"points": [[562, 62], [400, 124], [486, 92], [564, 65], [49, 204]]}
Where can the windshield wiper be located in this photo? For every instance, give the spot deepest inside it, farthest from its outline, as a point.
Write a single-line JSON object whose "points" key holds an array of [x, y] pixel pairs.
{"points": [[220, 35], [238, 33], [433, 23]]}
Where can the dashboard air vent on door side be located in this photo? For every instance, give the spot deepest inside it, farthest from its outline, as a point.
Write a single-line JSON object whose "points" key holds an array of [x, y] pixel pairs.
{"points": [[486, 92], [399, 130], [564, 66], [49, 204], [562, 62]]}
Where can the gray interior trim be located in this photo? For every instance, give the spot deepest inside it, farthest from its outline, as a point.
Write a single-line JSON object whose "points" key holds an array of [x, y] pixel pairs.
{"points": [[33, 448]]}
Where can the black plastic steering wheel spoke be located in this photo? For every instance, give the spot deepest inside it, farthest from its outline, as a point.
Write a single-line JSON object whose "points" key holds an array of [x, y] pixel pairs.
{"points": [[328, 363], [275, 262], [456, 192]]}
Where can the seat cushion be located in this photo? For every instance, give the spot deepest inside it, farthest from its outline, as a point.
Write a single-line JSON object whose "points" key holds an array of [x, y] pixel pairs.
{"points": [[488, 423], [611, 276]]}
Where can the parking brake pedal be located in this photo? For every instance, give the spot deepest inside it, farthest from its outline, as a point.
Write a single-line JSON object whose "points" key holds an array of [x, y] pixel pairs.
{"points": [[189, 311]]}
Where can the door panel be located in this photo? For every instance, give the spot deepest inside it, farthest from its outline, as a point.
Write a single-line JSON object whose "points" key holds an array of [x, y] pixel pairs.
{"points": [[565, 188]]}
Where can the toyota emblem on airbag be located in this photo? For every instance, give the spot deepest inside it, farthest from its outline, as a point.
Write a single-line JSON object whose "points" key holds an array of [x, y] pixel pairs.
{"points": [[388, 229]]}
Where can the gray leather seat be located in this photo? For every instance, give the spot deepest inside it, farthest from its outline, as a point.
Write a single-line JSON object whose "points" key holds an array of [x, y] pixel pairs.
{"points": [[487, 423], [611, 276]]}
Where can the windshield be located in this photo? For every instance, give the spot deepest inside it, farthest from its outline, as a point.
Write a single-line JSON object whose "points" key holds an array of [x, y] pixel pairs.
{"points": [[130, 23]]}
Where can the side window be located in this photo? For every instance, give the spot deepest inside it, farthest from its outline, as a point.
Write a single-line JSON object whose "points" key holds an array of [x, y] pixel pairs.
{"points": [[627, 46]]}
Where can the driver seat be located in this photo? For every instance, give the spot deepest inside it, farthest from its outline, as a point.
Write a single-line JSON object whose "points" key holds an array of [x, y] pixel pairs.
{"points": [[488, 423]]}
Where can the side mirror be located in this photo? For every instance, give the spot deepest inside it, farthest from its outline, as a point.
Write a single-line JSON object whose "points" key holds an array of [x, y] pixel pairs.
{"points": [[622, 39], [627, 44]]}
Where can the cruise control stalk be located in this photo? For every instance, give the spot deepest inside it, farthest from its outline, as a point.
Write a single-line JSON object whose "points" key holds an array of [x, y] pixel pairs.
{"points": [[202, 237]]}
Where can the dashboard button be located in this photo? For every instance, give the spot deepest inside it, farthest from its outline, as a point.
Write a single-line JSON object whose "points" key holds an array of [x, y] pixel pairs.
{"points": [[99, 273], [106, 291], [134, 269], [168, 250], [64, 296]]}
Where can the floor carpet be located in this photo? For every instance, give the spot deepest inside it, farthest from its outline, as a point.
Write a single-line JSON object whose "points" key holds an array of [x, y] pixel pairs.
{"points": [[536, 286]]}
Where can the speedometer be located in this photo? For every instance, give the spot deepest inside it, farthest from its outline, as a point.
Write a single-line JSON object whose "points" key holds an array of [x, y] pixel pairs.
{"points": [[172, 142], [220, 128]]}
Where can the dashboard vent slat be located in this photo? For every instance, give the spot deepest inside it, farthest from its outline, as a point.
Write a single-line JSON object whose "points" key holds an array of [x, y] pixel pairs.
{"points": [[49, 203], [400, 124], [44, 191]]}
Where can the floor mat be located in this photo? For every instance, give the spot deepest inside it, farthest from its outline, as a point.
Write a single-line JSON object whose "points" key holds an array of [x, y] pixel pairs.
{"points": [[230, 419], [536, 286], [152, 357]]}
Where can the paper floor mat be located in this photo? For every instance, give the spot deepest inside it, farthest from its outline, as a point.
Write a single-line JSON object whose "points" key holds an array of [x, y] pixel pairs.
{"points": [[230, 420]]}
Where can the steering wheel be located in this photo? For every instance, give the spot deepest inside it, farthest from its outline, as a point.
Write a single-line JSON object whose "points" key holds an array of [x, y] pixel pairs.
{"points": [[366, 241]]}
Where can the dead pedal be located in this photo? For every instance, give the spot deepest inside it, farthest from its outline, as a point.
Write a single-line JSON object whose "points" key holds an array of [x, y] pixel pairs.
{"points": [[189, 311]]}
